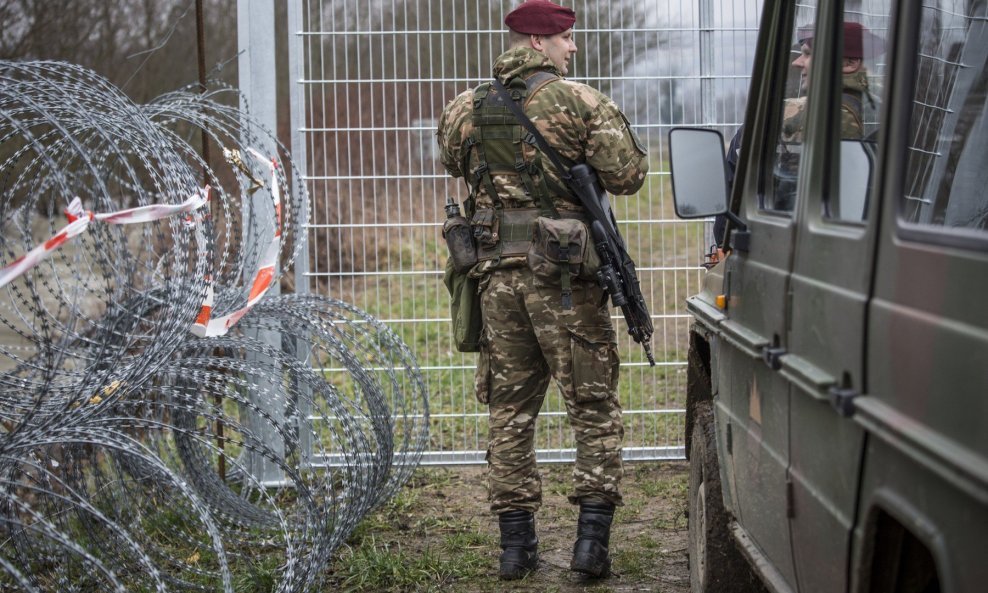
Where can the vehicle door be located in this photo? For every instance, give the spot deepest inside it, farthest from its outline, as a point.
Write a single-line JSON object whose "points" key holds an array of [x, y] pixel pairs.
{"points": [[926, 406], [830, 285], [752, 406]]}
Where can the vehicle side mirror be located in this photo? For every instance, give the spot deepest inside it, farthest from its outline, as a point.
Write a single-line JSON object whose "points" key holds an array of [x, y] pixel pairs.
{"points": [[699, 172]]}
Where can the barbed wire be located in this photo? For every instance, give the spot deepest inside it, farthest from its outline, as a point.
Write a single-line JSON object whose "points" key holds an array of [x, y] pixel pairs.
{"points": [[136, 454]]}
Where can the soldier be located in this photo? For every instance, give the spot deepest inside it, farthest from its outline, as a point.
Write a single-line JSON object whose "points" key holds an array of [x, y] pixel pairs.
{"points": [[531, 333], [858, 42], [854, 89]]}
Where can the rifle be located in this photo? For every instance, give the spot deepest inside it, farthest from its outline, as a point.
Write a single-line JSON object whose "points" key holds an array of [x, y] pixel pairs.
{"points": [[617, 274]]}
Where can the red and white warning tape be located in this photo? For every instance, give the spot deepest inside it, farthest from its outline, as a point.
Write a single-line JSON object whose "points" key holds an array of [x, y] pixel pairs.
{"points": [[205, 325], [208, 326], [79, 220]]}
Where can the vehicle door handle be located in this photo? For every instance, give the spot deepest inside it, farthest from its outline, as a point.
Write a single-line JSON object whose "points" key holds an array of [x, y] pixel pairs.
{"points": [[772, 356], [842, 399]]}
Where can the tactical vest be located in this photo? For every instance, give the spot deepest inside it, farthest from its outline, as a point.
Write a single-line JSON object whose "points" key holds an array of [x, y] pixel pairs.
{"points": [[497, 139]]}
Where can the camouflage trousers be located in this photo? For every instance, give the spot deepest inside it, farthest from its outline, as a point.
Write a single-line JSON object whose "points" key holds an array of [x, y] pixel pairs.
{"points": [[528, 338]]}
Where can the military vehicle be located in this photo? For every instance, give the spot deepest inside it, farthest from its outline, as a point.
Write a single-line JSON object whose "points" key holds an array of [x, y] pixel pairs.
{"points": [[837, 404]]}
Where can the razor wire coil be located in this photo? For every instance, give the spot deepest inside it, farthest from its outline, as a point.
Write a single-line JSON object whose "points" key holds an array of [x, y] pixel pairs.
{"points": [[133, 454]]}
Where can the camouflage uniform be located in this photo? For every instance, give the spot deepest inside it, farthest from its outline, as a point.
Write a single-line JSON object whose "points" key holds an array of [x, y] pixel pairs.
{"points": [[528, 337], [854, 92], [853, 95]]}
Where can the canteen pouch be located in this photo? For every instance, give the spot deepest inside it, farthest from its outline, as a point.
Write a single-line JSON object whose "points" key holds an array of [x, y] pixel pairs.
{"points": [[459, 241], [562, 242], [464, 308]]}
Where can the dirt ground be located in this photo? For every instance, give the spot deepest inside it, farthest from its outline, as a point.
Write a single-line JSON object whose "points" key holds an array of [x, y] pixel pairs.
{"points": [[438, 535]]}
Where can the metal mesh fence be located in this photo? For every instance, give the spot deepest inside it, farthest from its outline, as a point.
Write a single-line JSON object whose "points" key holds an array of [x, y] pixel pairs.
{"points": [[945, 110], [369, 81]]}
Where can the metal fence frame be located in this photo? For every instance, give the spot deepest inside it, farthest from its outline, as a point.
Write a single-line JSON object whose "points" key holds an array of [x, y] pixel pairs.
{"points": [[383, 156]]}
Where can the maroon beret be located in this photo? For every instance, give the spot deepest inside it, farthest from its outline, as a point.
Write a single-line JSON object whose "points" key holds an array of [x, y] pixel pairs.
{"points": [[858, 41], [540, 17]]}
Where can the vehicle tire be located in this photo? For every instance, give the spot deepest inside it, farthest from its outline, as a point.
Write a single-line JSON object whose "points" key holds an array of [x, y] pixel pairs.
{"points": [[698, 384], [716, 564]]}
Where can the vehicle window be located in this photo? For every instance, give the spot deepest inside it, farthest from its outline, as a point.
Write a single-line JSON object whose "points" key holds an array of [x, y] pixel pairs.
{"points": [[947, 172], [865, 28], [785, 170]]}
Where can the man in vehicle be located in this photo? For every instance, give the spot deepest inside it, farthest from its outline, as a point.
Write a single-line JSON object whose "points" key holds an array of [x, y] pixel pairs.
{"points": [[854, 84], [855, 96], [537, 328]]}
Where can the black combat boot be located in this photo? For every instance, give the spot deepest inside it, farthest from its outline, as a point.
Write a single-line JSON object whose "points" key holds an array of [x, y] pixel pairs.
{"points": [[519, 543], [593, 533]]}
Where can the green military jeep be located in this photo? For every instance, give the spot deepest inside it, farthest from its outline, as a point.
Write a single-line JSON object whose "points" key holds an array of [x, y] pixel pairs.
{"points": [[837, 413]]}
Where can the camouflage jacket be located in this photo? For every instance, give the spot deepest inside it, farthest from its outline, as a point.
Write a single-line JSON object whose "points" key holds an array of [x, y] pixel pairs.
{"points": [[854, 93], [581, 123]]}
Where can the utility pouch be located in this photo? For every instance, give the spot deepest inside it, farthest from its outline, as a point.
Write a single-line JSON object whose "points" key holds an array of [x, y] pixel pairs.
{"points": [[561, 251], [512, 229], [464, 308], [485, 228]]}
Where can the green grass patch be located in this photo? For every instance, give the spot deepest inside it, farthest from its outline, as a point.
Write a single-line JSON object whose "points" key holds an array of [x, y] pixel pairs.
{"points": [[636, 561], [674, 487], [378, 566]]}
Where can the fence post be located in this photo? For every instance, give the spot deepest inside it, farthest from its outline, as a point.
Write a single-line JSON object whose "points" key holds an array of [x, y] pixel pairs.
{"points": [[258, 85], [707, 104]]}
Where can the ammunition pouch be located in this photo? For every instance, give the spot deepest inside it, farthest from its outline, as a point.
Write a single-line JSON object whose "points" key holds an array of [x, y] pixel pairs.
{"points": [[486, 229], [503, 233], [561, 251]]}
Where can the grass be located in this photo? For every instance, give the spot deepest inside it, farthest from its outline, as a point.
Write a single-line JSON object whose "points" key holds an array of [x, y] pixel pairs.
{"points": [[257, 575], [438, 535], [636, 561], [665, 488], [435, 534], [376, 559], [387, 566]]}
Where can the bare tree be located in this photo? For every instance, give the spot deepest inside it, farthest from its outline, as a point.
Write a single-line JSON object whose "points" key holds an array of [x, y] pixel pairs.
{"points": [[146, 47]]}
